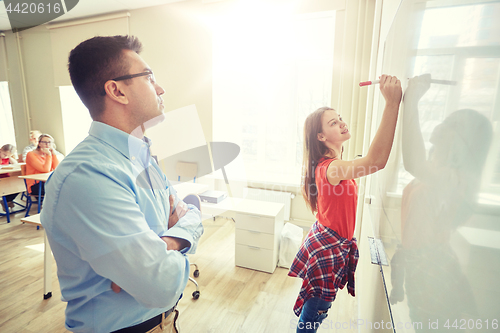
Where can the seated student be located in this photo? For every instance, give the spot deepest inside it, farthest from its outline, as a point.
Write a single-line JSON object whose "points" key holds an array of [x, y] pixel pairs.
{"points": [[41, 160], [7, 153], [34, 135]]}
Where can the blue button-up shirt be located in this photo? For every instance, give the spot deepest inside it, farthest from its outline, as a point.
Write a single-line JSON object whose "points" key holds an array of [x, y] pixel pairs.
{"points": [[105, 209]]}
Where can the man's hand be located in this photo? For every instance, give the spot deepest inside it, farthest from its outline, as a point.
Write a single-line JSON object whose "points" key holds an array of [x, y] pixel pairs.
{"points": [[115, 287], [176, 212], [174, 243]]}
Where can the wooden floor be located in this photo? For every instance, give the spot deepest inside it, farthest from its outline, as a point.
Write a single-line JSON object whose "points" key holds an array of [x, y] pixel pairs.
{"points": [[233, 299]]}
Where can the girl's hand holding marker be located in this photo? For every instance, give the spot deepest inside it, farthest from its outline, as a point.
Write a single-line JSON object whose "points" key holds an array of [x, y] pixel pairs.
{"points": [[368, 83]]}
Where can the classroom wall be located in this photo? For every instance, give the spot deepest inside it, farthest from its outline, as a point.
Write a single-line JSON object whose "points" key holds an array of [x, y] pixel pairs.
{"points": [[16, 85], [177, 45], [177, 48], [34, 97], [43, 95]]}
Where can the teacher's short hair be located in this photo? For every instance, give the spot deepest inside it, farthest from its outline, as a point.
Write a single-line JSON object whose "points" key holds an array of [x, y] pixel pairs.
{"points": [[95, 61]]}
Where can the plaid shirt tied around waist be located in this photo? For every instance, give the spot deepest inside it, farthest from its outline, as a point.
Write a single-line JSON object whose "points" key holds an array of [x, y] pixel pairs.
{"points": [[325, 262]]}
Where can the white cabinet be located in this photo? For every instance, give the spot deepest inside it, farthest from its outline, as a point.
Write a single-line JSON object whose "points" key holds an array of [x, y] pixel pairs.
{"points": [[257, 237], [257, 231]]}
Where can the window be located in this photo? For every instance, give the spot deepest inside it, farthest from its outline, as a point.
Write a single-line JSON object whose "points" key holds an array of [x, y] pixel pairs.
{"points": [[7, 133], [75, 116], [270, 70]]}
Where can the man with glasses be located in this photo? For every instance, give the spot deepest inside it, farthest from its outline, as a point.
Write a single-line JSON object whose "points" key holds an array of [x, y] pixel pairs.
{"points": [[118, 232]]}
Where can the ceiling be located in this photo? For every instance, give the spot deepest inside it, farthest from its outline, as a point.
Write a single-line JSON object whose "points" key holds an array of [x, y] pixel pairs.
{"points": [[86, 8]]}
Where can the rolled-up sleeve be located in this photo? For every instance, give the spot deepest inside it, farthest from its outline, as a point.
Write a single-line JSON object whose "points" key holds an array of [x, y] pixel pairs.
{"points": [[189, 227]]}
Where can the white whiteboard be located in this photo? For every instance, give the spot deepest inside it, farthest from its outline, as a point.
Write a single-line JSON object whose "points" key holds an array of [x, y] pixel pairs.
{"points": [[436, 205]]}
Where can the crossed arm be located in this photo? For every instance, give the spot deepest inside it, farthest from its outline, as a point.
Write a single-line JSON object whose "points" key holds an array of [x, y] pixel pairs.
{"points": [[173, 243]]}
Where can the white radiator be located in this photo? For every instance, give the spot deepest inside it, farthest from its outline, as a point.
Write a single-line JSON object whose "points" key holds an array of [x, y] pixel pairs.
{"points": [[270, 196]]}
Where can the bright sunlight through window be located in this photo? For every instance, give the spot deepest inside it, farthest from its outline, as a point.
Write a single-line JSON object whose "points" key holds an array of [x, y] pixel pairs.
{"points": [[271, 68]]}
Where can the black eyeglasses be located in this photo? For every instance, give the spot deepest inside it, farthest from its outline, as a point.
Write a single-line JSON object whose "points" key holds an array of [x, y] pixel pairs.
{"points": [[126, 77], [131, 76]]}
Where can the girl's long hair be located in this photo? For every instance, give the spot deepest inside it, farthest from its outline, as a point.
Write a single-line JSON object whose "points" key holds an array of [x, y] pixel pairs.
{"points": [[314, 150]]}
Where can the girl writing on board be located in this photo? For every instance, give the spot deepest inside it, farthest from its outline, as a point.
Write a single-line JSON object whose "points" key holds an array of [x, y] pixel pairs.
{"points": [[327, 258]]}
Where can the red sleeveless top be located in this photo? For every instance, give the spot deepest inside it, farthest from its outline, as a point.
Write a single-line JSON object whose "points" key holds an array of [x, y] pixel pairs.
{"points": [[336, 203]]}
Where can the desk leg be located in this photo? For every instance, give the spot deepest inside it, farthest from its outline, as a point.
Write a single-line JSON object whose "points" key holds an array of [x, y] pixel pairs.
{"points": [[47, 262], [6, 205], [39, 195]]}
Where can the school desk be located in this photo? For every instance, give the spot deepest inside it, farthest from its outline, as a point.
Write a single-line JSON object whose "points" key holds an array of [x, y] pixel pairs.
{"points": [[41, 178], [11, 185]]}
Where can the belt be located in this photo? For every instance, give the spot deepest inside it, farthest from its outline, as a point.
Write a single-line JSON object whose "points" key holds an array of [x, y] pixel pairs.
{"points": [[146, 325]]}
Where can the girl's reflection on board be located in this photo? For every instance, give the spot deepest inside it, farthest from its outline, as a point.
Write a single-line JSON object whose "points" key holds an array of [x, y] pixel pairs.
{"points": [[434, 205]]}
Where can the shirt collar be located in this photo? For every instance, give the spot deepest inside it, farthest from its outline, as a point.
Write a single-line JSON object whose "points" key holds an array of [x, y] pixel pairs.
{"points": [[125, 143]]}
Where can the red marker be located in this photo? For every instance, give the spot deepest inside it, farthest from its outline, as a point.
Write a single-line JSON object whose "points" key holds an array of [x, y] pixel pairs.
{"points": [[368, 83], [447, 82]]}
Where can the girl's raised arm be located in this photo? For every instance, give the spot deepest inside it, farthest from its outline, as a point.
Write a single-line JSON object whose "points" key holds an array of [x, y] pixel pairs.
{"points": [[380, 148]]}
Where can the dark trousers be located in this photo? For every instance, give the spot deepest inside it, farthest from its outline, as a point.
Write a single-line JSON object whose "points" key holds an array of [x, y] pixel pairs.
{"points": [[35, 189], [10, 197]]}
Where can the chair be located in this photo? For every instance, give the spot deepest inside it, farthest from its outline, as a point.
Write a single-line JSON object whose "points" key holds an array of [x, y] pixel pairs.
{"points": [[186, 169], [194, 200], [29, 200]]}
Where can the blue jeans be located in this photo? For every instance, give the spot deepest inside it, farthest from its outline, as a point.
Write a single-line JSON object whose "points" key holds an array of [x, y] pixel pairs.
{"points": [[314, 311]]}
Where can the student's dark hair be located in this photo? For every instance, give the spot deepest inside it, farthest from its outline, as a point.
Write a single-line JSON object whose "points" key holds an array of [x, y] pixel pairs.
{"points": [[95, 61], [314, 150]]}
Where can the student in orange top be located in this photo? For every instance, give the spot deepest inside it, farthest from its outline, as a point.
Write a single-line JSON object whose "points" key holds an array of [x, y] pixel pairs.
{"points": [[41, 160], [327, 258]]}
